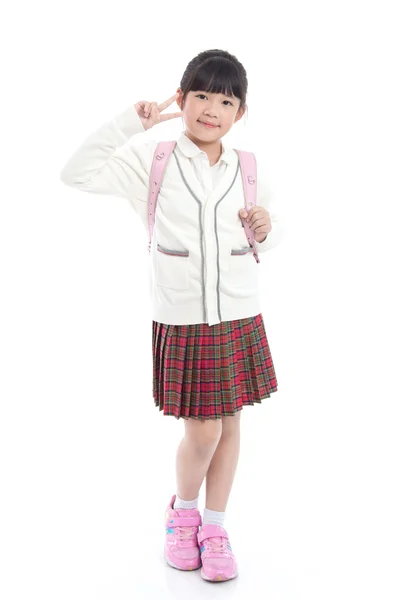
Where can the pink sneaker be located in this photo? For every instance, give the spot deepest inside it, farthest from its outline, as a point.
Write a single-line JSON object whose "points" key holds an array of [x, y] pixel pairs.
{"points": [[219, 563], [181, 549]]}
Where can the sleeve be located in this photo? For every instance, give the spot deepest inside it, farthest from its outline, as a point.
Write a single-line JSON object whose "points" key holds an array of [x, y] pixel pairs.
{"points": [[106, 163], [266, 198]]}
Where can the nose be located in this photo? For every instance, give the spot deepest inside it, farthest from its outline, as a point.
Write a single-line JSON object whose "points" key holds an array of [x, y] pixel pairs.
{"points": [[211, 109]]}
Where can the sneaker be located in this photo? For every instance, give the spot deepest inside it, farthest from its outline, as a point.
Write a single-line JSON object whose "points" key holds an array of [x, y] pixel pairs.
{"points": [[181, 549], [218, 561]]}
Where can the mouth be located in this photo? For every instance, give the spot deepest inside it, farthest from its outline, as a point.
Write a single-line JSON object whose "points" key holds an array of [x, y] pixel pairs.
{"points": [[208, 125]]}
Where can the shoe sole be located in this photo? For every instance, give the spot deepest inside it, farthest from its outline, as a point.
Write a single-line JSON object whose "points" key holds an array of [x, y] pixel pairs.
{"points": [[181, 568], [218, 578]]}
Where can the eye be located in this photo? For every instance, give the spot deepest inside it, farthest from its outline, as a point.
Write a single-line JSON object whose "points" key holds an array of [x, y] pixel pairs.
{"points": [[198, 95]]}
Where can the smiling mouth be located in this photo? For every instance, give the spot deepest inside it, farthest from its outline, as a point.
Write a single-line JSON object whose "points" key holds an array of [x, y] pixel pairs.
{"points": [[209, 126]]}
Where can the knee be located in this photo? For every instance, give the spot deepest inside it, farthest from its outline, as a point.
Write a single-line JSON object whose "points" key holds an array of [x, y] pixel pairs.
{"points": [[231, 426], [204, 435]]}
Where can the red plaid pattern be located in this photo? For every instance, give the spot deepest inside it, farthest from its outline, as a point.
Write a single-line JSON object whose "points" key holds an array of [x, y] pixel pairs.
{"points": [[206, 372]]}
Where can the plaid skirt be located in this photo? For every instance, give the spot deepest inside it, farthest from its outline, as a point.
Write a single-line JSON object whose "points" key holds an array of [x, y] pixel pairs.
{"points": [[206, 372]]}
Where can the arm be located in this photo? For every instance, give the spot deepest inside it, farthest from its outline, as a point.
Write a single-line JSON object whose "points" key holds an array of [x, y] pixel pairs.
{"points": [[106, 163]]}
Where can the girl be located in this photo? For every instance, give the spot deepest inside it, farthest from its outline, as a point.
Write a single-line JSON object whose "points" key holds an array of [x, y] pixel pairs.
{"points": [[210, 350]]}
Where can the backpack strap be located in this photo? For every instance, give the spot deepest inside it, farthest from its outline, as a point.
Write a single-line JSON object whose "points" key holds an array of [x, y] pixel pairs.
{"points": [[160, 159], [248, 167]]}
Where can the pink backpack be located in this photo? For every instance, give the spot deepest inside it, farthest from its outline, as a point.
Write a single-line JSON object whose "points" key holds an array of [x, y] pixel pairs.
{"points": [[248, 168]]}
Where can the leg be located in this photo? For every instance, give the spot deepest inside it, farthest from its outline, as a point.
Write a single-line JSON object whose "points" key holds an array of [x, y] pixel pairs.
{"points": [[194, 455], [221, 472]]}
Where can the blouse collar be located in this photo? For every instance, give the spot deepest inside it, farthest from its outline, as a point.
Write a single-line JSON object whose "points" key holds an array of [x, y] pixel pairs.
{"points": [[190, 150]]}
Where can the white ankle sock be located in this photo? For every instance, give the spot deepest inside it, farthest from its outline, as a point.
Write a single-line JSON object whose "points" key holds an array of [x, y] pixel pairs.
{"points": [[213, 517], [190, 504]]}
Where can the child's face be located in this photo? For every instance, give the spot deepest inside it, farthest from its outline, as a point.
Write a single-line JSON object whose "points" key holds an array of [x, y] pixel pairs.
{"points": [[218, 109]]}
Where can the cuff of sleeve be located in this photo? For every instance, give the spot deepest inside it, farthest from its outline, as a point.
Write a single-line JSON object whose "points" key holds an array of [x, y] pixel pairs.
{"points": [[263, 246], [273, 238], [129, 123]]}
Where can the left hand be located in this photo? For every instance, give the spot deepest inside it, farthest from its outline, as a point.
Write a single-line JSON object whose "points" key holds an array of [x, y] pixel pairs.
{"points": [[259, 220]]}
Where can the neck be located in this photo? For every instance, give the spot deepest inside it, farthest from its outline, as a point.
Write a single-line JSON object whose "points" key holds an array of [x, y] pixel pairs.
{"points": [[212, 149]]}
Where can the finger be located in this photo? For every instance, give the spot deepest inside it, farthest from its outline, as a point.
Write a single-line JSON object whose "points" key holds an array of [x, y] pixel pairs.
{"points": [[141, 105], [249, 215], [168, 102], [255, 213], [260, 222], [153, 111], [262, 230], [255, 217], [168, 116], [146, 109]]}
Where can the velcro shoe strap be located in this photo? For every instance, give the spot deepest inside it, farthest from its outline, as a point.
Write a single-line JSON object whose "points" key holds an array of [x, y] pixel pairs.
{"points": [[184, 521], [211, 531]]}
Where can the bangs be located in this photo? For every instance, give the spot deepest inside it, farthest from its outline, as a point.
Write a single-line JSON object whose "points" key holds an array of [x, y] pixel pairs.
{"points": [[217, 76]]}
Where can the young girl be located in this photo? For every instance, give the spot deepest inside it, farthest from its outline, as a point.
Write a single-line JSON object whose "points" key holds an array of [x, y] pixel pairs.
{"points": [[210, 350]]}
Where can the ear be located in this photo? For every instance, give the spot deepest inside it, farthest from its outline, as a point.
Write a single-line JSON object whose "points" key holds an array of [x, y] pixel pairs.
{"points": [[179, 99], [240, 113]]}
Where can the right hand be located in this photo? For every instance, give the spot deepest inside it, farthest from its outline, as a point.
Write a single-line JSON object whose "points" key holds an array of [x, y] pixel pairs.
{"points": [[149, 112]]}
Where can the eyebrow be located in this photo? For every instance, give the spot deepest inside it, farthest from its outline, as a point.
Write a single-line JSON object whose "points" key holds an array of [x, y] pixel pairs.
{"points": [[216, 94]]}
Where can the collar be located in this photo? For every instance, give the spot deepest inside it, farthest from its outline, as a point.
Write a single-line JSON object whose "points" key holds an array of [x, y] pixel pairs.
{"points": [[190, 150]]}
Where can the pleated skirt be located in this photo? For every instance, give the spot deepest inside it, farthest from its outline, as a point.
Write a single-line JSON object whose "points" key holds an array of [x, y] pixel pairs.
{"points": [[206, 372]]}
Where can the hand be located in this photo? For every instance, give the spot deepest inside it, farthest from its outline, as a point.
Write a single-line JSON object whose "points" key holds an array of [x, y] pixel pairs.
{"points": [[259, 220], [149, 112]]}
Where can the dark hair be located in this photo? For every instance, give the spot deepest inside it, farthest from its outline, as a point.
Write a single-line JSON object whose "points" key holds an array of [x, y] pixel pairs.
{"points": [[217, 72]]}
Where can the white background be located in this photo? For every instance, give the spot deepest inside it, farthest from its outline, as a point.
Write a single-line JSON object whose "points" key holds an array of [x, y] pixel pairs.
{"points": [[87, 461]]}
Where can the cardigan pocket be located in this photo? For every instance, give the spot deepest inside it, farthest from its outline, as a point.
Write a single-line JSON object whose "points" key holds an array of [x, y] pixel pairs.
{"points": [[241, 251], [242, 273], [172, 269]]}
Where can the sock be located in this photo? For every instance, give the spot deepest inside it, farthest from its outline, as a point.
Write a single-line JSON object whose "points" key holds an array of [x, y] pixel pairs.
{"points": [[213, 517], [188, 504]]}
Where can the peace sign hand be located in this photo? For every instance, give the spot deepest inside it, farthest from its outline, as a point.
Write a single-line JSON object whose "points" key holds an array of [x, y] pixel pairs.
{"points": [[149, 112]]}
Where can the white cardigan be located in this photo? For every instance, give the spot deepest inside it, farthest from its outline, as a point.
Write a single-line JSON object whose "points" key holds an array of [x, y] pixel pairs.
{"points": [[201, 267]]}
